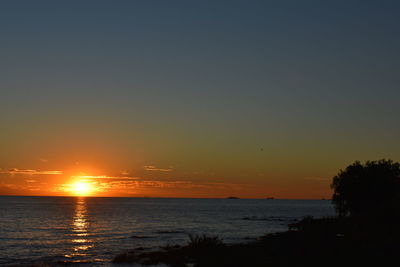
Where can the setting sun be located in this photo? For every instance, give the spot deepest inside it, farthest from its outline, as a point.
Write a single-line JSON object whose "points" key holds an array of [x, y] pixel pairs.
{"points": [[82, 188]]}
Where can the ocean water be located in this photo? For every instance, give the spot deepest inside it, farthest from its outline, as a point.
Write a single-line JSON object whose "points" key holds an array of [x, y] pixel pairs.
{"points": [[94, 230]]}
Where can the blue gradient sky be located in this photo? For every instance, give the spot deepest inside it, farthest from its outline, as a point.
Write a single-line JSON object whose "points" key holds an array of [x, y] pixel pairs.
{"points": [[276, 94]]}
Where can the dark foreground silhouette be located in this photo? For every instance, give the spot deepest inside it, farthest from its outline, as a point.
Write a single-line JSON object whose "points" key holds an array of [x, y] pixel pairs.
{"points": [[365, 233], [310, 242]]}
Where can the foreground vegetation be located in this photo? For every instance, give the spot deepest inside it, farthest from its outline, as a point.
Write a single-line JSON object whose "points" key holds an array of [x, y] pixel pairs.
{"points": [[310, 242]]}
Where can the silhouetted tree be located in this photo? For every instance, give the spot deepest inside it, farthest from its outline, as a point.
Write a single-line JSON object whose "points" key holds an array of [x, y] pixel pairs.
{"points": [[370, 189]]}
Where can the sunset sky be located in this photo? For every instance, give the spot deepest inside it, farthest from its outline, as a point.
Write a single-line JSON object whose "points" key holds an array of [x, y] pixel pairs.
{"points": [[195, 98]]}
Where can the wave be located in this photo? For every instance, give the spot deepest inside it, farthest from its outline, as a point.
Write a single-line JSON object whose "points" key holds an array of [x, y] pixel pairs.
{"points": [[269, 219], [170, 232]]}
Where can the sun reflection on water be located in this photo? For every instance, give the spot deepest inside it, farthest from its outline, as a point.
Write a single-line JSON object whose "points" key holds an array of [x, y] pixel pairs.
{"points": [[80, 228]]}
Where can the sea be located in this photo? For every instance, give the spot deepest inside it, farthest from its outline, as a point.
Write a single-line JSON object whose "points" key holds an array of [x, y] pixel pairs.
{"points": [[92, 230]]}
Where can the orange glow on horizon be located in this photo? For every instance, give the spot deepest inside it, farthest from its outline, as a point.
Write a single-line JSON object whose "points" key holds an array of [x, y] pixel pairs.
{"points": [[152, 182]]}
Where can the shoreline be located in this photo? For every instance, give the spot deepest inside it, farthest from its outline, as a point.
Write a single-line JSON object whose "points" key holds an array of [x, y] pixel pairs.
{"points": [[329, 241]]}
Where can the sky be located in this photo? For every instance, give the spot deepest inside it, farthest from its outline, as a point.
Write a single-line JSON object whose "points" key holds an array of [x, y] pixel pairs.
{"points": [[252, 99]]}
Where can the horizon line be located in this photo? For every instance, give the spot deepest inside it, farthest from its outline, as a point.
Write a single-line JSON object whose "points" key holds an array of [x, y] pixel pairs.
{"points": [[266, 198]]}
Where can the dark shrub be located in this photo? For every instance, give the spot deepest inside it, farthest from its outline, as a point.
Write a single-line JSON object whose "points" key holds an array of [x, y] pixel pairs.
{"points": [[204, 241], [367, 190]]}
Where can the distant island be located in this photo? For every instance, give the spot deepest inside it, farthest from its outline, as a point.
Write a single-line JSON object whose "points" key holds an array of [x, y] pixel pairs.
{"points": [[233, 198]]}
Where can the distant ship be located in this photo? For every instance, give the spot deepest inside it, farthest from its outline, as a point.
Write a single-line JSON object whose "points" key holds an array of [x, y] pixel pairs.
{"points": [[233, 198], [269, 198]]}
